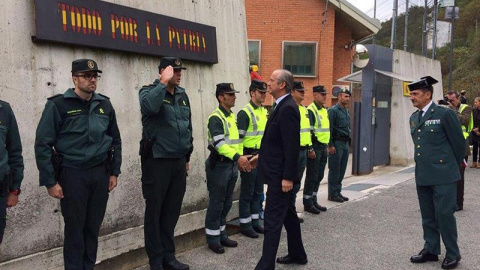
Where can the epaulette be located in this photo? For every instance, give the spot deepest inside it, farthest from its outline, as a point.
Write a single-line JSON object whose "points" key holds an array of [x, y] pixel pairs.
{"points": [[148, 85], [415, 112], [104, 96], [52, 97]]}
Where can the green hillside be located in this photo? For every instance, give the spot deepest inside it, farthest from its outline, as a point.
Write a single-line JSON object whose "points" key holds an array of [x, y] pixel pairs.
{"points": [[466, 64]]}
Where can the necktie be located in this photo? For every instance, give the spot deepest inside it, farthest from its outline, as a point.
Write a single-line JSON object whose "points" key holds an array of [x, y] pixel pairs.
{"points": [[420, 113], [274, 105]]}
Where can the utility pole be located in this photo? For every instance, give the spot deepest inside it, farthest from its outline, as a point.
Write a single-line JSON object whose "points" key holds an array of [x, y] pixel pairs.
{"points": [[394, 24], [424, 37], [451, 48], [434, 39], [405, 38], [375, 9]]}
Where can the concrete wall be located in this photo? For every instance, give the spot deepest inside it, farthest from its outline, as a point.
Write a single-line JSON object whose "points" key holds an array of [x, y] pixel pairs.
{"points": [[411, 66], [31, 72]]}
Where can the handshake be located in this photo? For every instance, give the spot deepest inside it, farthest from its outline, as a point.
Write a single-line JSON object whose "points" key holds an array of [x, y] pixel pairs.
{"points": [[247, 163]]}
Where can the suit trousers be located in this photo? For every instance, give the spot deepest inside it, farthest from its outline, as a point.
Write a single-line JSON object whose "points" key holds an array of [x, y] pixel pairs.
{"points": [[337, 165], [220, 183], [3, 216], [163, 188], [280, 211], [302, 163], [437, 206], [315, 173], [83, 207], [251, 190]]}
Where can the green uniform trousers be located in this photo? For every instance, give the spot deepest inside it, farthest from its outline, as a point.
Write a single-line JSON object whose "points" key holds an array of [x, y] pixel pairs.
{"points": [[437, 205], [220, 183], [315, 172], [337, 165], [251, 190]]}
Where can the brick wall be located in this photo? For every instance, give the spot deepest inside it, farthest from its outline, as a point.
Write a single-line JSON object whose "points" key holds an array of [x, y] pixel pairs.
{"points": [[273, 22]]}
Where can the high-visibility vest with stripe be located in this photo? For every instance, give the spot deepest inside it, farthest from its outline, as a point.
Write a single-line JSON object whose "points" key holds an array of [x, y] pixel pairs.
{"points": [[228, 143], [256, 126], [466, 130], [321, 127], [305, 138]]}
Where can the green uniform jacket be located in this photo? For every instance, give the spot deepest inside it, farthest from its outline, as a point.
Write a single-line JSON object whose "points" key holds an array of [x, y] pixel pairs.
{"points": [[166, 120], [10, 146], [339, 122], [439, 146], [81, 131]]}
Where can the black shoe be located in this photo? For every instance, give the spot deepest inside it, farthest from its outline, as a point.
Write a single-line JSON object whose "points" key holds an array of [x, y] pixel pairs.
{"points": [[175, 265], [156, 267], [459, 208], [311, 209], [249, 233], [424, 256], [450, 263], [300, 220], [229, 243], [336, 199], [217, 248], [343, 197], [289, 260], [259, 229], [319, 207]]}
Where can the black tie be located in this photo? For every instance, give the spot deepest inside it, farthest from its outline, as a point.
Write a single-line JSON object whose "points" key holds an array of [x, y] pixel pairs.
{"points": [[273, 106], [420, 115]]}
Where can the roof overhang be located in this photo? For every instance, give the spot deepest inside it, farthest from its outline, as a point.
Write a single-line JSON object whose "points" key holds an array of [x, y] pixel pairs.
{"points": [[356, 77], [361, 24]]}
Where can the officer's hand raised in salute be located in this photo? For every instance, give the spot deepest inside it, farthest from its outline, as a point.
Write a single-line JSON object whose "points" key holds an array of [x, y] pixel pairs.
{"points": [[166, 75]]}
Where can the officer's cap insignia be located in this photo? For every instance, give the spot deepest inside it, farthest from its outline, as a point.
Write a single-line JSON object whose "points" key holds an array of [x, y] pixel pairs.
{"points": [[264, 85], [177, 62], [90, 64], [231, 86], [301, 84]]}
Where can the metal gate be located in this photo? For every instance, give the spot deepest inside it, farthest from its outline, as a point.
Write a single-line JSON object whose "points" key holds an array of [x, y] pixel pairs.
{"points": [[381, 120]]}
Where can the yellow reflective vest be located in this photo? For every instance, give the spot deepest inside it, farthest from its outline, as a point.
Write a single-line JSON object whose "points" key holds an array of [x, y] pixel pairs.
{"points": [[466, 130], [305, 138], [256, 127], [228, 143], [321, 127]]}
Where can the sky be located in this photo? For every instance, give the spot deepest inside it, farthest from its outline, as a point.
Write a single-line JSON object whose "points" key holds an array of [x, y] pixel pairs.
{"points": [[384, 7]]}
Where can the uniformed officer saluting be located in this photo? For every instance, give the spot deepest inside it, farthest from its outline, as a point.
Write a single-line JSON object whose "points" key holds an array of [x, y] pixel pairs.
{"points": [[11, 162], [165, 149], [221, 167], [78, 153], [251, 121], [439, 149]]}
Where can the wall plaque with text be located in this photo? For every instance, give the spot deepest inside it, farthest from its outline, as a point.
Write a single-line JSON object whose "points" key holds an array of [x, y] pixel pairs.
{"points": [[104, 25]]}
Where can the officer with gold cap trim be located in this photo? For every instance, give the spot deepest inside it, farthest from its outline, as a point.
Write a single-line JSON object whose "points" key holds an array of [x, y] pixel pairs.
{"points": [[221, 167], [251, 121], [338, 146], [78, 153], [439, 149]]}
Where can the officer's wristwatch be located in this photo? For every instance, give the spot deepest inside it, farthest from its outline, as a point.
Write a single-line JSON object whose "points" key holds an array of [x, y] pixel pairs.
{"points": [[16, 191]]}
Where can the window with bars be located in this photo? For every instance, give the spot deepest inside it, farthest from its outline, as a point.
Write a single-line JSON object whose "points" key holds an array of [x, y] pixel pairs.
{"points": [[300, 58]]}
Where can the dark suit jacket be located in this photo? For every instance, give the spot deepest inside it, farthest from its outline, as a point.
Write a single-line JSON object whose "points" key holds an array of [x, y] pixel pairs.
{"points": [[280, 145], [439, 146]]}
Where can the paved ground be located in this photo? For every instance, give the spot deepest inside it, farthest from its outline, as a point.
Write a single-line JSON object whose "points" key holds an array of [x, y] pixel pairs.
{"points": [[379, 229]]}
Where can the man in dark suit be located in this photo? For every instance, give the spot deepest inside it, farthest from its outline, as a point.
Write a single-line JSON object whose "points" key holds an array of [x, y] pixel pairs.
{"points": [[278, 166], [439, 149]]}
